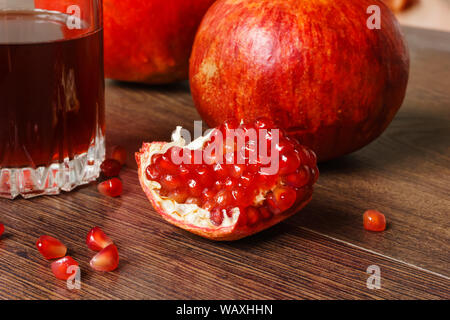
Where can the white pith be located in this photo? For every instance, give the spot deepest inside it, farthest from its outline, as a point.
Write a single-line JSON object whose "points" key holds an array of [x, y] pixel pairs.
{"points": [[188, 213]]}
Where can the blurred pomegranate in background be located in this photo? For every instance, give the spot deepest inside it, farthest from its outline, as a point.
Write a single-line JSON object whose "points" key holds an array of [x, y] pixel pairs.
{"points": [[312, 66], [150, 40], [399, 5]]}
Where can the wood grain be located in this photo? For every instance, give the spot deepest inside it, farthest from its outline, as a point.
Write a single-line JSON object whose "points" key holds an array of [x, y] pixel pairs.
{"points": [[321, 253]]}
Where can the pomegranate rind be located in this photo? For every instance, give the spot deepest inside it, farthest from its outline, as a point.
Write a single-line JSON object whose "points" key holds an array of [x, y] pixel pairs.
{"points": [[234, 231]]}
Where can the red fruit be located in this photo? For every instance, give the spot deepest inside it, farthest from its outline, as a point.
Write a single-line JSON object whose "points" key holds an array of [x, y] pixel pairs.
{"points": [[161, 53], [374, 220], [2, 229], [110, 168], [50, 247], [120, 154], [96, 239], [106, 260], [64, 268], [295, 62], [111, 188], [230, 200]]}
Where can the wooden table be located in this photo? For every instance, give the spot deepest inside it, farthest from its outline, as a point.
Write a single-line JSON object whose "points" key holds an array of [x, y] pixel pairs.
{"points": [[321, 253]]}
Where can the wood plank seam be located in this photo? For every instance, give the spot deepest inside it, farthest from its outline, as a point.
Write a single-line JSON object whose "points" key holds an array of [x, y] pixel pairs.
{"points": [[377, 253]]}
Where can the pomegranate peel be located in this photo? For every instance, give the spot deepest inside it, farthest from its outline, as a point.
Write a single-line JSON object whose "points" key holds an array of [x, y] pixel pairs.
{"points": [[191, 217]]}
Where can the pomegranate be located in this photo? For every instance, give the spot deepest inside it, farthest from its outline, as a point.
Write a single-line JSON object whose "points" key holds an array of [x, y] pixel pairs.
{"points": [[51, 248], [150, 40], [311, 65], [213, 194], [106, 260], [374, 221], [64, 268]]}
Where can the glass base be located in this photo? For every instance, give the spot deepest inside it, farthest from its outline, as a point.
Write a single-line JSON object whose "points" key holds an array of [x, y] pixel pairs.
{"points": [[65, 176]]}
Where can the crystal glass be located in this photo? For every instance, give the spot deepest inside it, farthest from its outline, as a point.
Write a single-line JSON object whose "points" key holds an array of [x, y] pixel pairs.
{"points": [[52, 109]]}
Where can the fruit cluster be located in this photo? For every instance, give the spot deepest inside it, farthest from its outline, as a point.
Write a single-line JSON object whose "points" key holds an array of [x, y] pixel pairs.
{"points": [[65, 267], [219, 186]]}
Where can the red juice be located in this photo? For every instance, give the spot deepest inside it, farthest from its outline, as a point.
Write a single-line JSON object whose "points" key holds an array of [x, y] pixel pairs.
{"points": [[51, 89]]}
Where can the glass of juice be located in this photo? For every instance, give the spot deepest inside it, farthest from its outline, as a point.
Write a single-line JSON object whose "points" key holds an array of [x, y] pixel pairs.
{"points": [[52, 108]]}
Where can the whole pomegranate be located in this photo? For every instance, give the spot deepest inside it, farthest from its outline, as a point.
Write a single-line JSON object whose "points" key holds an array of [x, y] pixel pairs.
{"points": [[313, 66], [150, 40]]}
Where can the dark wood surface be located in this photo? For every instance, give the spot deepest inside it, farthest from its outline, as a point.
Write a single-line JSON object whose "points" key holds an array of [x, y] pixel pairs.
{"points": [[321, 253]]}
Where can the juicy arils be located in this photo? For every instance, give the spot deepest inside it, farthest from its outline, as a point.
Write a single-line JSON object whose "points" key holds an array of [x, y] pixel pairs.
{"points": [[236, 181]]}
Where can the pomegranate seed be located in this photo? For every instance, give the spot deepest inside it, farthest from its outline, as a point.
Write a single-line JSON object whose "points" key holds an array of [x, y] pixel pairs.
{"points": [[152, 173], [178, 195], [208, 194], [374, 220], [170, 182], [281, 199], [222, 198], [298, 179], [252, 216], [2, 229], [120, 154], [106, 260], [110, 168], [166, 165], [194, 187], [236, 171], [289, 162], [216, 217], [61, 267], [192, 200], [111, 188], [96, 239], [265, 213], [51, 248]]}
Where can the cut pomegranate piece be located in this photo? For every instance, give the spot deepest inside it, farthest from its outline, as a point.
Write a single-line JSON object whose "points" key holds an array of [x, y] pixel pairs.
{"points": [[97, 240], [250, 177], [64, 267], [50, 247], [106, 260], [120, 154], [111, 188], [2, 229], [110, 168], [374, 220]]}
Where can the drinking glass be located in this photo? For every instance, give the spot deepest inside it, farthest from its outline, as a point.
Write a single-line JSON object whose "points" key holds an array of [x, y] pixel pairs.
{"points": [[52, 109]]}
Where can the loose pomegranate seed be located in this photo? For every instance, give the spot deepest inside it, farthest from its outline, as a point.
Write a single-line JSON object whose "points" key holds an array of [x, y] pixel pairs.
{"points": [[96, 239], [374, 220], [110, 168], [50, 247], [106, 260], [120, 154], [111, 188], [61, 269], [220, 184], [2, 229]]}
